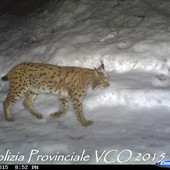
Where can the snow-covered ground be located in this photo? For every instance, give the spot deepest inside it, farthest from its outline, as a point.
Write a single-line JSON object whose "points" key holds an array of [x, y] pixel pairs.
{"points": [[131, 117]]}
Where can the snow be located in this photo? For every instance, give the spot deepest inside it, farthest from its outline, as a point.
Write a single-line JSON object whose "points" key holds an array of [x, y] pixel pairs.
{"points": [[131, 117]]}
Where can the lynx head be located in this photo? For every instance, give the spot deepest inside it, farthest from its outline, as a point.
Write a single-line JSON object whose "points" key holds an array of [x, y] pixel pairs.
{"points": [[100, 78]]}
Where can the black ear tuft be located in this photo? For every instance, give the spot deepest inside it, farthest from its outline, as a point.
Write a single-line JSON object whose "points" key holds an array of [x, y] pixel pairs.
{"points": [[101, 67]]}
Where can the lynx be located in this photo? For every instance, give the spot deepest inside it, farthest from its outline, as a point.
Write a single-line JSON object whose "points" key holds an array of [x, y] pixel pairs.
{"points": [[71, 83]]}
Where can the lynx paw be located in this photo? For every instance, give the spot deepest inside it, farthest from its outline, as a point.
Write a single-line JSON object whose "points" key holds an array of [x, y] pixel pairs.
{"points": [[87, 123], [10, 119], [55, 115], [39, 116]]}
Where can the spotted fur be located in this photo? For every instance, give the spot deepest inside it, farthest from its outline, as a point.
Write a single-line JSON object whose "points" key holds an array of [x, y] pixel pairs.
{"points": [[29, 79]]}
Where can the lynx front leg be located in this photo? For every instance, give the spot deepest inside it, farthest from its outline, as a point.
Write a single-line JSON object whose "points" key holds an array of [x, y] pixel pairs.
{"points": [[77, 104], [29, 98], [63, 107]]}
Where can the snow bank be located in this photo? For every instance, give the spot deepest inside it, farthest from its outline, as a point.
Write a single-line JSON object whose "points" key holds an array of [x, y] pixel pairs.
{"points": [[130, 116]]}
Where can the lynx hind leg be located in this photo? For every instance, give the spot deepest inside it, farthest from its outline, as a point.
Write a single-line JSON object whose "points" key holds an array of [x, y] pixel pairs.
{"points": [[29, 98], [63, 107], [78, 108], [7, 104], [11, 99]]}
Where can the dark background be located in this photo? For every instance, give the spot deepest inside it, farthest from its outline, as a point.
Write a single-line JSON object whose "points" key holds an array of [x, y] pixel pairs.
{"points": [[20, 7]]}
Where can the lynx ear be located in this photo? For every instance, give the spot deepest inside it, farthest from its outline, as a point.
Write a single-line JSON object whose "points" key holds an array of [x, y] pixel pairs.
{"points": [[101, 67], [94, 85], [95, 78]]}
